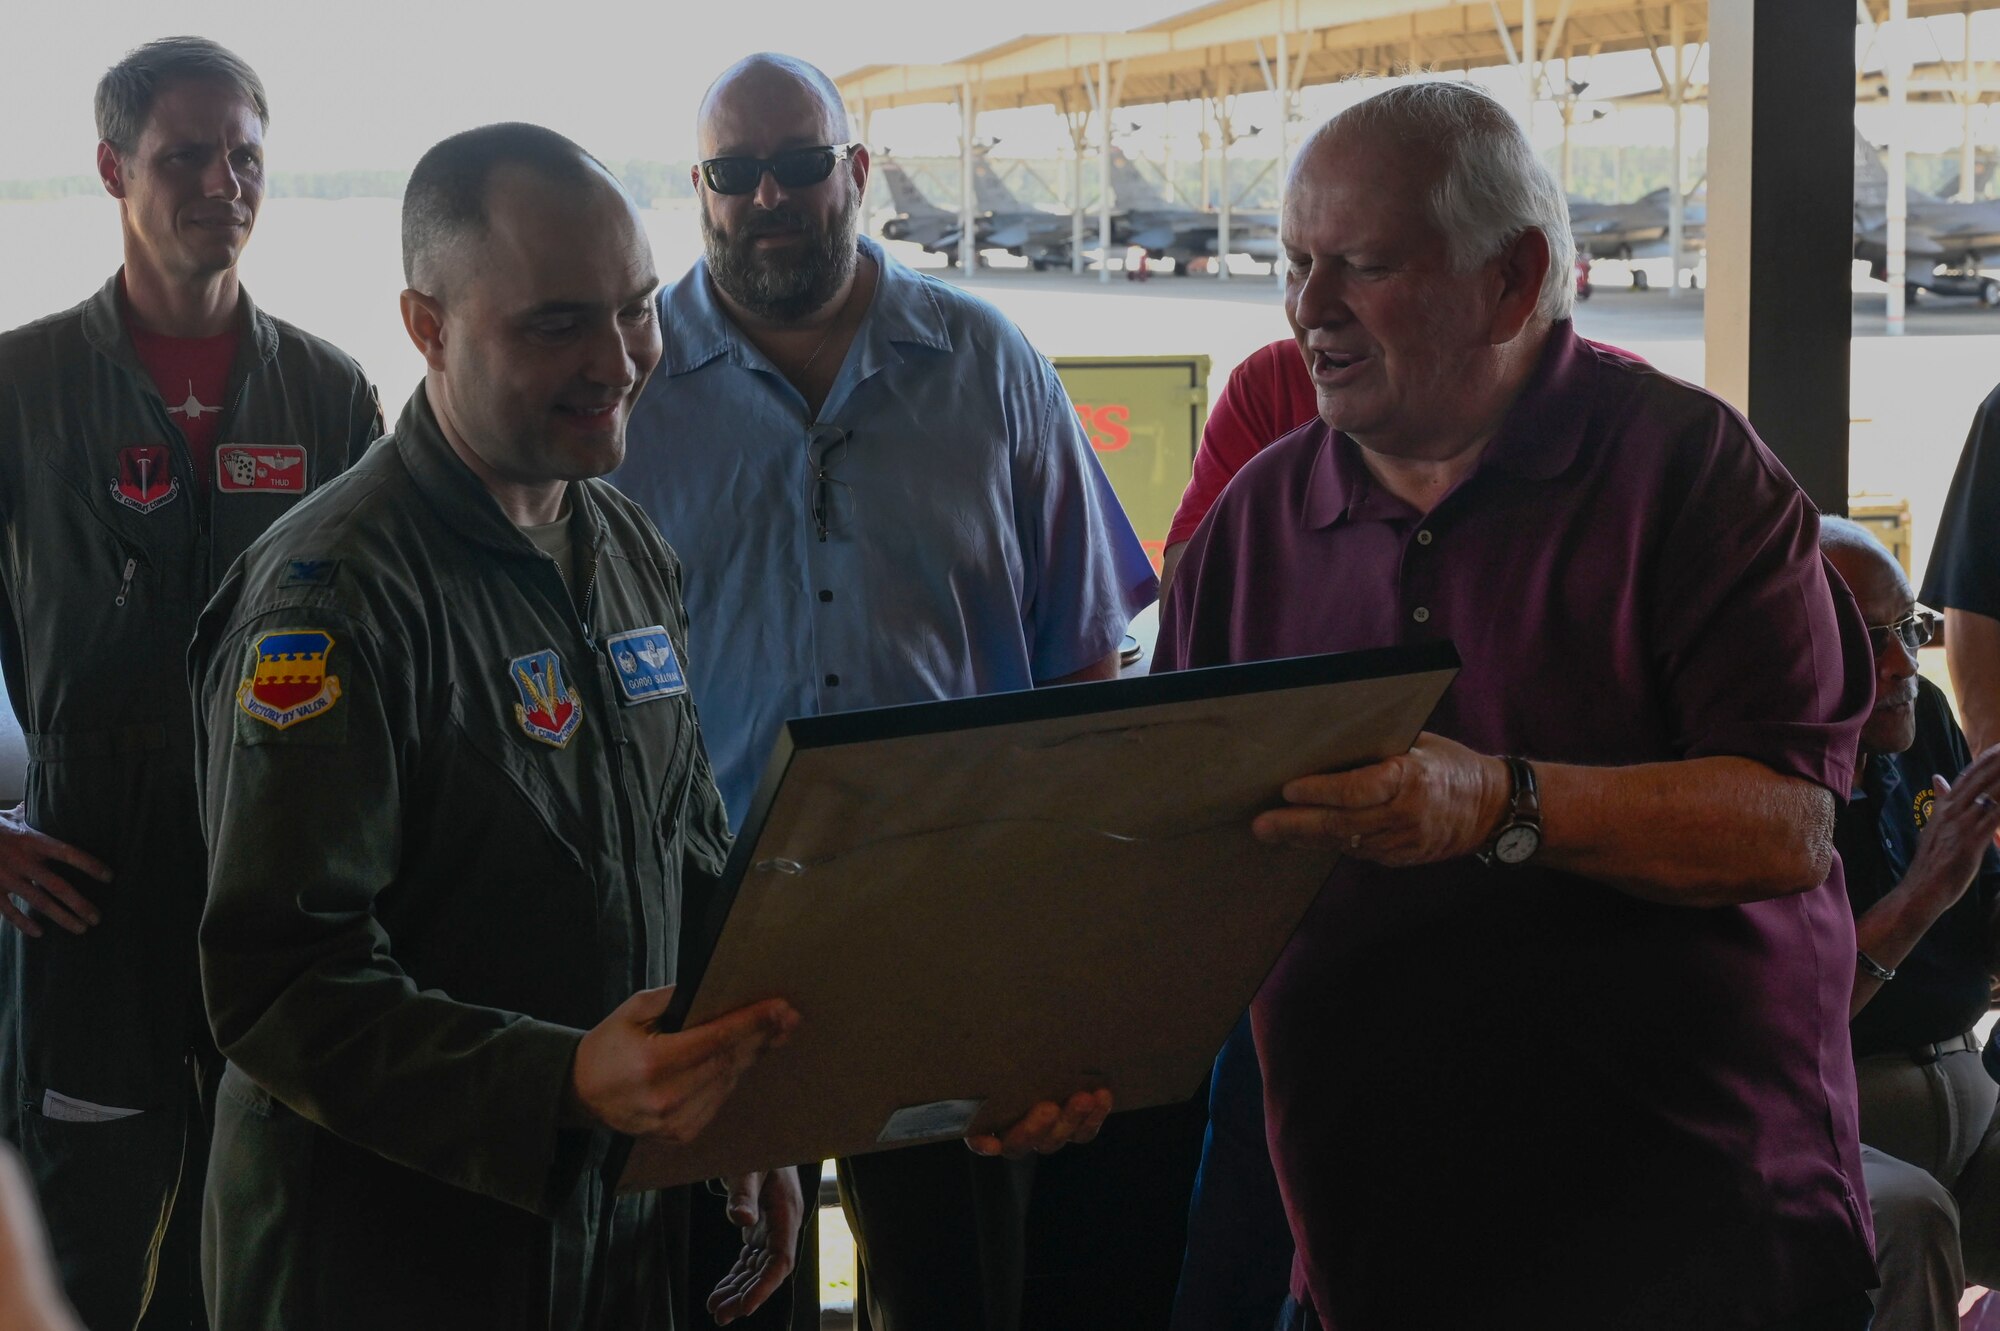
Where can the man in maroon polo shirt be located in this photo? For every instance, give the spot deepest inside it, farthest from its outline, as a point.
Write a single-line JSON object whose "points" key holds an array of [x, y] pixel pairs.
{"points": [[1602, 1080]]}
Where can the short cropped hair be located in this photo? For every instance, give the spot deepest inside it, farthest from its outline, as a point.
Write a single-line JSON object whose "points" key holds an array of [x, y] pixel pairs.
{"points": [[125, 94], [1494, 186], [445, 201]]}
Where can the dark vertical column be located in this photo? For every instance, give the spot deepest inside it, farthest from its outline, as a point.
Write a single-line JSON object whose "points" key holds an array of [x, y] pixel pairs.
{"points": [[1780, 228]]}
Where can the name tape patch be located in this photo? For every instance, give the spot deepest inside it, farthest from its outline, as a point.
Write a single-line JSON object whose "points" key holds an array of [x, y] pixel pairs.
{"points": [[289, 683], [260, 469], [645, 664]]}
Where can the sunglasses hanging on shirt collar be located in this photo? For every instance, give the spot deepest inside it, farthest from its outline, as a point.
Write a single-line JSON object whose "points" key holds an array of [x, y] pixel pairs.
{"points": [[796, 168]]}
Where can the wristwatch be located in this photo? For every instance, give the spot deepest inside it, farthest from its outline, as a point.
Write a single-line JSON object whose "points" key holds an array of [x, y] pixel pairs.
{"points": [[1521, 835]]}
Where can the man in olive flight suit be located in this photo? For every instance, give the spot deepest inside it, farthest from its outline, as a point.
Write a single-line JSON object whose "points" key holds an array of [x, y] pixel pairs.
{"points": [[147, 436], [453, 785]]}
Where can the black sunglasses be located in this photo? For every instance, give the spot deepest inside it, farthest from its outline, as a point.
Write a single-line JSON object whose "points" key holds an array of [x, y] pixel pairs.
{"points": [[796, 168], [1913, 630], [831, 443]]}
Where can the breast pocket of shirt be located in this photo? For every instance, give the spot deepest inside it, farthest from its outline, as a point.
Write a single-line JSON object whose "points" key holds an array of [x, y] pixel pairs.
{"points": [[252, 486]]}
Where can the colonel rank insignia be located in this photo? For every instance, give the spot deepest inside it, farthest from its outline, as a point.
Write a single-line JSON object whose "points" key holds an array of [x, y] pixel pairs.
{"points": [[549, 709], [289, 683]]}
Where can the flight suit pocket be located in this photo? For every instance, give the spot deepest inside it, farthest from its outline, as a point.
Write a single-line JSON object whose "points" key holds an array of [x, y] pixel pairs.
{"points": [[98, 789]]}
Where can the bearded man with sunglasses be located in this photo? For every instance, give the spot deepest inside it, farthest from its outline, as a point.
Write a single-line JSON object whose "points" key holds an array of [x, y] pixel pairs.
{"points": [[1922, 875], [882, 495]]}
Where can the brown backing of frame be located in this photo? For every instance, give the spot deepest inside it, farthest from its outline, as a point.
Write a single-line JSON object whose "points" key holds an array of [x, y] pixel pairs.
{"points": [[1013, 913]]}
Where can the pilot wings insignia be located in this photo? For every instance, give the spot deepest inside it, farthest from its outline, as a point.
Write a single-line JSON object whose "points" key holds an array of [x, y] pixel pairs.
{"points": [[647, 665]]}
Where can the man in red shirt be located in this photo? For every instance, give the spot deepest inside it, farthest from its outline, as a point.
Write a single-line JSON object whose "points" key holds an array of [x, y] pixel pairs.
{"points": [[147, 436], [1267, 397]]}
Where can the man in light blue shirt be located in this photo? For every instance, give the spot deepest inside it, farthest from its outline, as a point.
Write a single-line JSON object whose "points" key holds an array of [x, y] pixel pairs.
{"points": [[881, 495], [921, 518]]}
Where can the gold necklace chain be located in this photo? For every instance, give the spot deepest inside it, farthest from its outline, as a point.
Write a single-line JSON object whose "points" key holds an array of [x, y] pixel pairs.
{"points": [[839, 317]]}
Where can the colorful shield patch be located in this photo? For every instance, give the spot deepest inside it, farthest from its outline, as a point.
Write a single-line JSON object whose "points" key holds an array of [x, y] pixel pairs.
{"points": [[260, 469], [549, 709], [646, 664], [290, 683], [145, 478]]}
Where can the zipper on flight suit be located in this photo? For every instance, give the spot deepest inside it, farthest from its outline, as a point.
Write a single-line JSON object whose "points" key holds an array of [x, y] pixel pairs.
{"points": [[198, 495]]}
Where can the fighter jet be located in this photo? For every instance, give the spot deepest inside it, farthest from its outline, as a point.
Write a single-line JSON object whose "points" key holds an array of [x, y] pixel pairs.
{"points": [[917, 219], [1944, 242], [1002, 222], [1165, 230], [1042, 238], [1635, 230]]}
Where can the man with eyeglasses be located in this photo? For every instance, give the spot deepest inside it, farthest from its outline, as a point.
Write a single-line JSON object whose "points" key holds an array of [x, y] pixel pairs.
{"points": [[1924, 881], [882, 495]]}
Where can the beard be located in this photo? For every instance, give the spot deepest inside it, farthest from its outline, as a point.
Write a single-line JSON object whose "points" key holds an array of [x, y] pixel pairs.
{"points": [[783, 287]]}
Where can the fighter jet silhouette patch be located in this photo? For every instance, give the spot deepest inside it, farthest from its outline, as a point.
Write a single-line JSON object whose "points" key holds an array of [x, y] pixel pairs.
{"points": [[645, 664], [194, 408]]}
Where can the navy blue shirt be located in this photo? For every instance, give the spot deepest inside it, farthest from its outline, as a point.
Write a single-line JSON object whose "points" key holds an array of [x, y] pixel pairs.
{"points": [[1964, 572], [1941, 988]]}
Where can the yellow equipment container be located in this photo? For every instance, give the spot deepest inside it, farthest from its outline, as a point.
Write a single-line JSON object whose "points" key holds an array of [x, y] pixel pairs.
{"points": [[1143, 415], [1888, 517]]}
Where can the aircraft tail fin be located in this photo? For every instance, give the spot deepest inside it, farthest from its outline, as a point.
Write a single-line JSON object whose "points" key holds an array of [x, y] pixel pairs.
{"points": [[1129, 187], [989, 191], [908, 198], [1871, 178]]}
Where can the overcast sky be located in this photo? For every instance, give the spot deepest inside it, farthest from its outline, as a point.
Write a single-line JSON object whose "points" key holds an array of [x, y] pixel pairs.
{"points": [[372, 83]]}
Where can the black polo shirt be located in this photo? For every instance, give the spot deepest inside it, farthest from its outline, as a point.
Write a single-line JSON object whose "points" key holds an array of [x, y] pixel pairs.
{"points": [[1964, 572], [1941, 988]]}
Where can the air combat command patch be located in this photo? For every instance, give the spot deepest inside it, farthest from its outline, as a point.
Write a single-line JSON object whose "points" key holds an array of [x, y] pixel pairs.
{"points": [[289, 683], [145, 478], [549, 710]]}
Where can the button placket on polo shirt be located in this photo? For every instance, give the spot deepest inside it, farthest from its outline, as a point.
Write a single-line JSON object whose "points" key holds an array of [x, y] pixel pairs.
{"points": [[1419, 582]]}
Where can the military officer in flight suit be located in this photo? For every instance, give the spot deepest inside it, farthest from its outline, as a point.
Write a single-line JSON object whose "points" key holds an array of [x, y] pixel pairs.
{"points": [[146, 437], [454, 791], [453, 785]]}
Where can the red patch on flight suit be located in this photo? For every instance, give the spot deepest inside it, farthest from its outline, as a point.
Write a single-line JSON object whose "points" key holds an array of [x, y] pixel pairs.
{"points": [[145, 478], [260, 468]]}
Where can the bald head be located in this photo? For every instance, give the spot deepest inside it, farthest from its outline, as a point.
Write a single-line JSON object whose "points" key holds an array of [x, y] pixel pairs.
{"points": [[447, 204], [765, 89], [1868, 569]]}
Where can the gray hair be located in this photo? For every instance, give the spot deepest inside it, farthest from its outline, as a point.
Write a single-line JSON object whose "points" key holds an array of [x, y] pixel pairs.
{"points": [[1839, 533], [125, 94], [1494, 186]]}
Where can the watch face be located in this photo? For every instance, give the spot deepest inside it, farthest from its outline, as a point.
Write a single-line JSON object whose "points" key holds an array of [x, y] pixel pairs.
{"points": [[1517, 843]]}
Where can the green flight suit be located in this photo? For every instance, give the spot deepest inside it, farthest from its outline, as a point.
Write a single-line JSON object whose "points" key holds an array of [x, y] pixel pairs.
{"points": [[447, 835], [111, 547]]}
